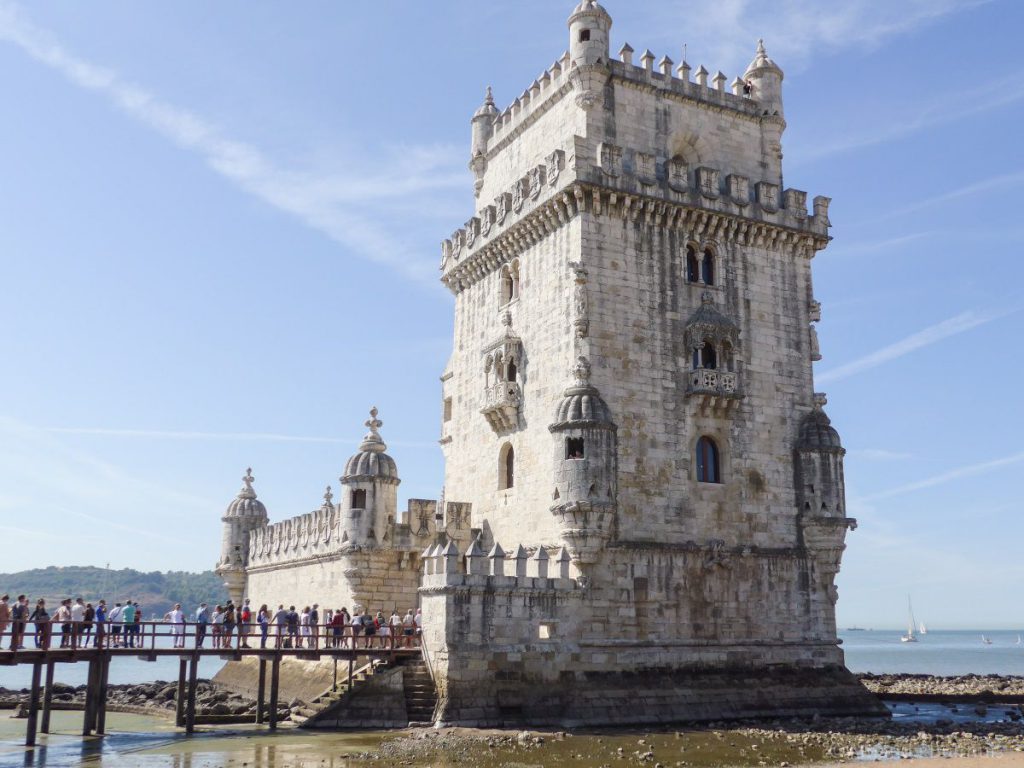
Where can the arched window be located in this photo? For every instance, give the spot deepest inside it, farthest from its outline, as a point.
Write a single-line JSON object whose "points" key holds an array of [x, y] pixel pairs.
{"points": [[506, 467], [704, 356], [692, 269], [358, 499], [707, 267], [507, 286], [708, 466], [574, 448]]}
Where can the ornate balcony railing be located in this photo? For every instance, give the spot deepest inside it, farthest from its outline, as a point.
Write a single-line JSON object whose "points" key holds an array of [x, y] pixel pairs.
{"points": [[501, 405], [717, 389]]}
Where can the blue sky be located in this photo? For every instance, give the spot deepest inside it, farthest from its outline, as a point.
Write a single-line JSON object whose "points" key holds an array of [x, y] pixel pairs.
{"points": [[219, 229]]}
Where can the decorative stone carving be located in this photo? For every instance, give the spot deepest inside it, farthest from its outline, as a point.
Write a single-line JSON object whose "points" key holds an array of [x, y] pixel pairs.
{"points": [[458, 240], [646, 167], [519, 192], [815, 347], [502, 206], [487, 219], [581, 316], [796, 202], [739, 189], [678, 175], [610, 157], [536, 181], [502, 395], [472, 231], [553, 166], [768, 196], [708, 181]]}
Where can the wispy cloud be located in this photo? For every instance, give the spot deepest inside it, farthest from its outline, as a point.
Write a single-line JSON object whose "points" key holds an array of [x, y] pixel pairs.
{"points": [[962, 323], [945, 477], [878, 246], [984, 185], [879, 454], [797, 30], [243, 437], [347, 207]]}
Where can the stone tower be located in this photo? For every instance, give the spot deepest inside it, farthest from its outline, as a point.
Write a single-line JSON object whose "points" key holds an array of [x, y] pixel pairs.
{"points": [[628, 410], [369, 501], [244, 514]]}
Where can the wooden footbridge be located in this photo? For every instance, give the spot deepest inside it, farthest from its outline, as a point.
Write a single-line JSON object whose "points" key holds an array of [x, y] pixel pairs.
{"points": [[102, 649]]}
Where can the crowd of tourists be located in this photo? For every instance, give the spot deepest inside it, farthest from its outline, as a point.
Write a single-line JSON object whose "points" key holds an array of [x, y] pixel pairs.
{"points": [[80, 624]]}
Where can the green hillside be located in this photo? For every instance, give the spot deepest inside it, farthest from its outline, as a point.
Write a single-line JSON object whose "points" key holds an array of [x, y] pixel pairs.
{"points": [[155, 592]]}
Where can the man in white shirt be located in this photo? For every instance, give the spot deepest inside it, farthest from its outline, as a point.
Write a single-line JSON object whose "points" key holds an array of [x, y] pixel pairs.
{"points": [[176, 617], [77, 619], [114, 619]]}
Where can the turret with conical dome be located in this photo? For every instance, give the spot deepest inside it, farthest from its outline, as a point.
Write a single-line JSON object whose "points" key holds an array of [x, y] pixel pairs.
{"points": [[244, 514], [589, 33], [369, 502]]}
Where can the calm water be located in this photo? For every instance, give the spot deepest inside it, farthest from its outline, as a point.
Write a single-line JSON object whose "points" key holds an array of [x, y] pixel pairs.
{"points": [[959, 652]]}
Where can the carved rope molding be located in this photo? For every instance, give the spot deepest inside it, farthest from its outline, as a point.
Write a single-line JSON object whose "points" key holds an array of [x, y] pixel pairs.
{"points": [[699, 224]]}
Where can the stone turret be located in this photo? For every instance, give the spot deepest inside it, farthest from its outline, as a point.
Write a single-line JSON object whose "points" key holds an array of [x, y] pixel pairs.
{"points": [[589, 32], [585, 462], [483, 128], [369, 501], [244, 514], [765, 77]]}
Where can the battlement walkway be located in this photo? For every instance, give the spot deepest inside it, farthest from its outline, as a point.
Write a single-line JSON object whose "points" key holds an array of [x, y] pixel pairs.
{"points": [[101, 649]]}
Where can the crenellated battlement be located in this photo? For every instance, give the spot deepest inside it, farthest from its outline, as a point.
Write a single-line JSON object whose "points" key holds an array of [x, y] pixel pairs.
{"points": [[541, 569], [308, 535]]}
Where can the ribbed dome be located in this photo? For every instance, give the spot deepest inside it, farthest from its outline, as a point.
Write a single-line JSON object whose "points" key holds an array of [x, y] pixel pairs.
{"points": [[589, 5], [246, 504], [487, 108], [761, 61], [582, 405], [371, 463], [817, 432], [708, 315]]}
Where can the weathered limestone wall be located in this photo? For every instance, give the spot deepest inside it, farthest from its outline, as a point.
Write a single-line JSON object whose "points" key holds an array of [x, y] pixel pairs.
{"points": [[298, 679], [376, 579], [376, 702]]}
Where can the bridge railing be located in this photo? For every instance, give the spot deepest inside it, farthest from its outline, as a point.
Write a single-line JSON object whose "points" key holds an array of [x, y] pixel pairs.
{"points": [[154, 635]]}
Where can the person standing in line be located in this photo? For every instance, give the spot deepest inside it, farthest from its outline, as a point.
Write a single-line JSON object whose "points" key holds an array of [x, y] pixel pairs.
{"points": [[128, 617], [77, 620], [337, 628], [383, 629], [176, 617], [408, 627], [101, 623], [230, 619], [281, 622], [202, 619], [263, 619], [244, 622], [305, 639], [87, 619], [115, 617], [5, 614], [395, 622], [19, 618], [137, 626], [314, 625], [346, 623], [41, 618], [369, 626], [418, 621], [62, 618], [218, 625], [293, 628]]}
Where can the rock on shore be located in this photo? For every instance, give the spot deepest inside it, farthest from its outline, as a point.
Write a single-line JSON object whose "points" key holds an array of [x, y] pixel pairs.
{"points": [[980, 686]]}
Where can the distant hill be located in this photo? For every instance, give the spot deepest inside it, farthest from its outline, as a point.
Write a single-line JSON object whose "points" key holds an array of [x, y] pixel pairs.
{"points": [[155, 592]]}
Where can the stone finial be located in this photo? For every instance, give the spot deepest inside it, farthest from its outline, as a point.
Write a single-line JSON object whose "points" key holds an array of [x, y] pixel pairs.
{"points": [[497, 558], [520, 556], [701, 76], [820, 400], [540, 558], [683, 71], [707, 298], [626, 53], [737, 87], [489, 97], [665, 65], [506, 319], [581, 372], [475, 563], [719, 80], [372, 441], [428, 561], [647, 60], [247, 492], [563, 561], [450, 558]]}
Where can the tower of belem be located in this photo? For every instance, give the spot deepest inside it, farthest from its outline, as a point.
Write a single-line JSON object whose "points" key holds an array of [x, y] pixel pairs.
{"points": [[643, 511]]}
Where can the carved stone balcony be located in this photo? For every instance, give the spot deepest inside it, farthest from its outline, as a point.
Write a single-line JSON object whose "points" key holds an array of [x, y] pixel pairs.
{"points": [[717, 390], [501, 405]]}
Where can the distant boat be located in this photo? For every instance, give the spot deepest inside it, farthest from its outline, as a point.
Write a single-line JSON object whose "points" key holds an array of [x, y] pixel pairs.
{"points": [[923, 630], [909, 637], [1019, 640], [986, 640], [855, 629]]}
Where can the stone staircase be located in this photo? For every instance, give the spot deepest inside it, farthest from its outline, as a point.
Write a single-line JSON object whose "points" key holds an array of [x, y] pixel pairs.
{"points": [[420, 693], [330, 697], [343, 708]]}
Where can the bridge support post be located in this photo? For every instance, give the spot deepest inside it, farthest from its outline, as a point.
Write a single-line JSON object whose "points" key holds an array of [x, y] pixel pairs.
{"points": [[190, 711], [33, 705], [101, 705], [275, 677], [261, 691], [47, 698], [179, 711], [91, 689]]}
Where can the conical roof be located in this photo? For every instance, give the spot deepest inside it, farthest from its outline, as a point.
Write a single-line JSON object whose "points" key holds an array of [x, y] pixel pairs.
{"points": [[761, 63], [581, 404], [816, 430]]}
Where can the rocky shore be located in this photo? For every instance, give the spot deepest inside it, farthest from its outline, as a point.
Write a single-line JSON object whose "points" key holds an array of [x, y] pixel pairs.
{"points": [[157, 698], [982, 688]]}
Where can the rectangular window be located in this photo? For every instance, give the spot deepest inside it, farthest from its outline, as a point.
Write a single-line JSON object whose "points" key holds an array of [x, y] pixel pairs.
{"points": [[447, 409], [574, 448], [546, 631]]}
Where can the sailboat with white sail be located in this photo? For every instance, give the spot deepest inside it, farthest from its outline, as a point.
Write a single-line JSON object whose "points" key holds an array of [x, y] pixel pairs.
{"points": [[986, 640], [909, 637], [922, 630]]}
